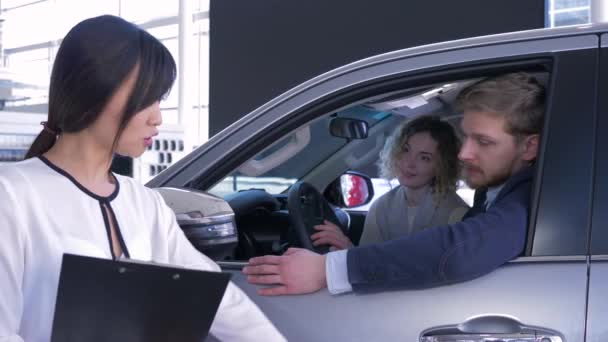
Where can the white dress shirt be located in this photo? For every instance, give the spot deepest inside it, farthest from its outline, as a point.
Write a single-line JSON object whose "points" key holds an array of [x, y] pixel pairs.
{"points": [[44, 213]]}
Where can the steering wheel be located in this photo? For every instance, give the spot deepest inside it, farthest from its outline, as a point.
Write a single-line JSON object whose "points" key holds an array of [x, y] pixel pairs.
{"points": [[308, 208]]}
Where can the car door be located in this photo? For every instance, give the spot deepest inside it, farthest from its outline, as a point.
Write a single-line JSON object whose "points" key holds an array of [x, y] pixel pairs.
{"points": [[597, 330], [540, 294]]}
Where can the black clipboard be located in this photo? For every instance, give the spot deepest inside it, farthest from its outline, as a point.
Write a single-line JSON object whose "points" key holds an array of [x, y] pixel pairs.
{"points": [[132, 301]]}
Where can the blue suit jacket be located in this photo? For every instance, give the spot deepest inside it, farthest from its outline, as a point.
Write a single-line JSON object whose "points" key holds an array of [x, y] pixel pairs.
{"points": [[480, 243]]}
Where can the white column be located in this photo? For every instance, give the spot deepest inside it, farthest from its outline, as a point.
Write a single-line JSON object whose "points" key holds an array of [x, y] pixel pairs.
{"points": [[551, 13], [203, 79], [185, 71], [599, 11]]}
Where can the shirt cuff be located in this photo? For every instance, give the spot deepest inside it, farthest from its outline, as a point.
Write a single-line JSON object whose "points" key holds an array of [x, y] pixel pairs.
{"points": [[336, 272]]}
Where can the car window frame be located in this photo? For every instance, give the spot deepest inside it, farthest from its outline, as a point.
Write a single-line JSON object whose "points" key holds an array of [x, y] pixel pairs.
{"points": [[598, 237], [557, 229]]}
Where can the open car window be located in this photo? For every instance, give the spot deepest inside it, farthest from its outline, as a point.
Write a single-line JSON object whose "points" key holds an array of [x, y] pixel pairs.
{"points": [[313, 154]]}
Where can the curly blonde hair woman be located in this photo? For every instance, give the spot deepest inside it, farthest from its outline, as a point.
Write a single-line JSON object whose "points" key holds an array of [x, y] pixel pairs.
{"points": [[423, 155]]}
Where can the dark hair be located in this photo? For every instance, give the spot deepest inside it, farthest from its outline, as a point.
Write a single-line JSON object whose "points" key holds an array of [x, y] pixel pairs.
{"points": [[448, 145], [518, 97], [94, 59]]}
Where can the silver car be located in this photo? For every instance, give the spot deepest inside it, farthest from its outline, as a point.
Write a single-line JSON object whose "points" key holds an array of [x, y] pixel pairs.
{"points": [[232, 195]]}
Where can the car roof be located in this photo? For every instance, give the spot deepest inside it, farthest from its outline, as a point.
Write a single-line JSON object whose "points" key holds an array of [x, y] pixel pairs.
{"points": [[501, 38]]}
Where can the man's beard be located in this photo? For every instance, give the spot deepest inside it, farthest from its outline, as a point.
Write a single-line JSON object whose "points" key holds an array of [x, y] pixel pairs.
{"points": [[488, 181]]}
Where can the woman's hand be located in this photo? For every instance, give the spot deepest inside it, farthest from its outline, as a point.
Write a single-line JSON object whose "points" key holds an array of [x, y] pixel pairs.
{"points": [[330, 234]]}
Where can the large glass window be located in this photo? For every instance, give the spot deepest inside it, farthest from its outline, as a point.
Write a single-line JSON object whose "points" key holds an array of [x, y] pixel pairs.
{"points": [[568, 12], [32, 33]]}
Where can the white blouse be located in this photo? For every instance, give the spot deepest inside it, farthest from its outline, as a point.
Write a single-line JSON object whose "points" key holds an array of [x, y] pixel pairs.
{"points": [[44, 213]]}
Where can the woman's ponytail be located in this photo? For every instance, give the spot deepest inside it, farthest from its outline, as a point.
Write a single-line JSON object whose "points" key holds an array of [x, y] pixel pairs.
{"points": [[43, 142]]}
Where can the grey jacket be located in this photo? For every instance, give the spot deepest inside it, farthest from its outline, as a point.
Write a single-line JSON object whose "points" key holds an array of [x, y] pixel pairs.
{"points": [[387, 218]]}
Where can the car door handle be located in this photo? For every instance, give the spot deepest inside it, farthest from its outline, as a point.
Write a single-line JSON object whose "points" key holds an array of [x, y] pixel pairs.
{"points": [[490, 328]]}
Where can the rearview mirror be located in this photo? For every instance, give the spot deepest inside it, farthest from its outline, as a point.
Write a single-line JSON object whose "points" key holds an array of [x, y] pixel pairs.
{"points": [[348, 128]]}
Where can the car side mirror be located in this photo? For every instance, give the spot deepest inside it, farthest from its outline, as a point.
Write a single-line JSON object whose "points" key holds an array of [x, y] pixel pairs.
{"points": [[350, 190], [348, 128], [207, 221]]}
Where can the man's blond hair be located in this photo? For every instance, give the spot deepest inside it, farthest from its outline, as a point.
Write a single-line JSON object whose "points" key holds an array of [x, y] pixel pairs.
{"points": [[518, 97]]}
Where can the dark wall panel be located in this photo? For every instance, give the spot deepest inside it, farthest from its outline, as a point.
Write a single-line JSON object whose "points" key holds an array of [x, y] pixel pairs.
{"points": [[262, 48]]}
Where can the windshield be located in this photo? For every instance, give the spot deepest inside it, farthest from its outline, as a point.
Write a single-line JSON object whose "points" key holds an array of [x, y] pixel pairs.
{"points": [[287, 160]]}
